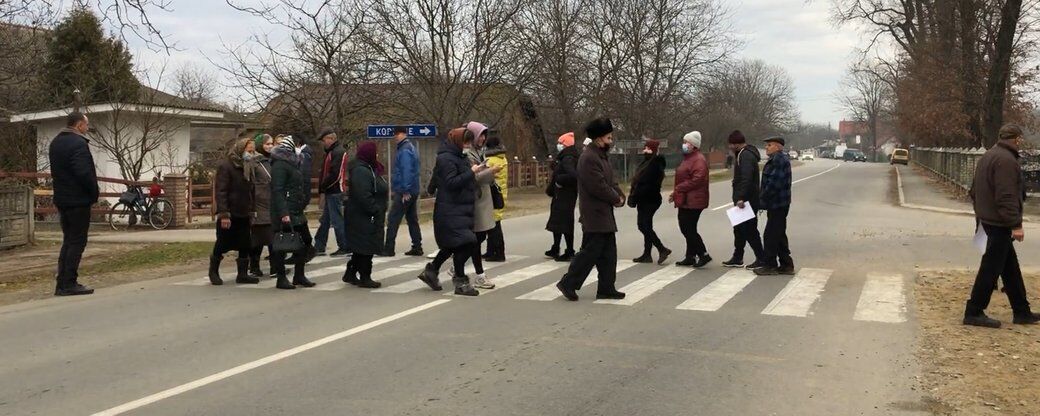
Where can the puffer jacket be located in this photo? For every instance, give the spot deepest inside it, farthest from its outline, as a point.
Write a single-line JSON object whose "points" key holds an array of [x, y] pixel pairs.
{"points": [[289, 195], [497, 157], [365, 209], [691, 182], [746, 176], [456, 194], [232, 192]]}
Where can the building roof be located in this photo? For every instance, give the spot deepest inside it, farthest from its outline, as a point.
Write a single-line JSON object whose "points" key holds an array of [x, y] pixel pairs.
{"points": [[149, 100]]}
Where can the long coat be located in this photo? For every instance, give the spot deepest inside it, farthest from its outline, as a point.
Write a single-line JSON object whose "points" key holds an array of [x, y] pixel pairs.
{"points": [[484, 208], [232, 193], [691, 182], [456, 194], [289, 195], [565, 192], [72, 171], [262, 189], [598, 191], [646, 186], [365, 209]]}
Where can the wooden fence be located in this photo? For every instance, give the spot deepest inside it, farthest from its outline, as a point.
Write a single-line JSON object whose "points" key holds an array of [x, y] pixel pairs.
{"points": [[17, 222]]}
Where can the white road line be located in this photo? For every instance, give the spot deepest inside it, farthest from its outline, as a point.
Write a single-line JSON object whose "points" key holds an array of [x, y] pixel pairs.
{"points": [[518, 276], [882, 299], [416, 284], [800, 294], [202, 382], [648, 285], [792, 183], [377, 275], [717, 293], [550, 292]]}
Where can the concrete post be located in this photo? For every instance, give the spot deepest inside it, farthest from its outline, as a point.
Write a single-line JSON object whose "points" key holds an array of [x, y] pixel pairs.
{"points": [[176, 186]]}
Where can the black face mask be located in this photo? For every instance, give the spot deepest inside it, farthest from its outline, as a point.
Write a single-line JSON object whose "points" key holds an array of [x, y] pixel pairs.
{"points": [[648, 156], [607, 146]]}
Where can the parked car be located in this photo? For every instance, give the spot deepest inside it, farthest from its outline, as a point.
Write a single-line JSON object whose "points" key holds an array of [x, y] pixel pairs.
{"points": [[900, 156], [808, 156], [854, 155], [827, 154]]}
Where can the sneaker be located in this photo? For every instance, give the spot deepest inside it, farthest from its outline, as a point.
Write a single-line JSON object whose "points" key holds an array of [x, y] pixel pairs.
{"points": [[567, 293], [77, 290], [615, 295], [643, 259], [567, 256], [981, 320], [665, 252], [339, 253], [483, 282], [1026, 319], [766, 271], [686, 262], [702, 261], [734, 262], [758, 264], [415, 251]]}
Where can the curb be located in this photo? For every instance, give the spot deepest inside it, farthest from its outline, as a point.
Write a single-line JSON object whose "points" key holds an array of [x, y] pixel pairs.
{"points": [[904, 204]]}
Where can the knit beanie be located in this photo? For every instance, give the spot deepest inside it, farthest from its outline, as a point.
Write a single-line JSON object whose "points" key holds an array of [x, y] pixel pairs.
{"points": [[737, 137], [567, 140], [598, 128], [693, 138]]}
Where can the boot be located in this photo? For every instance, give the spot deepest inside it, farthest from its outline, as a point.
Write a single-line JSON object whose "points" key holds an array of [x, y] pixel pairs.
{"points": [[283, 282], [1027, 318], [254, 267], [665, 252], [552, 253], [462, 286], [645, 258], [350, 276], [243, 276], [298, 277], [982, 320], [566, 256], [430, 276], [702, 260], [366, 278], [214, 270]]}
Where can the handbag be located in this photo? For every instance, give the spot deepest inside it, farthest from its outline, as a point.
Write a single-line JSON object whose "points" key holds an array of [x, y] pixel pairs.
{"points": [[497, 201], [286, 241], [550, 189]]}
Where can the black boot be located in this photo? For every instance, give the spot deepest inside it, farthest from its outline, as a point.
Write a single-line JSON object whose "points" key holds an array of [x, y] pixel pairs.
{"points": [[430, 276], [665, 252], [552, 253], [214, 270], [243, 276], [463, 286], [283, 282], [254, 267], [350, 276], [645, 258], [299, 279], [566, 256], [366, 278], [1027, 318]]}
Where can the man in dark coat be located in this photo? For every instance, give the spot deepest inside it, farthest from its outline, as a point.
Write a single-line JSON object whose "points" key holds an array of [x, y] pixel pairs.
{"points": [[598, 195], [329, 186], [776, 202], [75, 191], [745, 192], [404, 195], [998, 192], [564, 192]]}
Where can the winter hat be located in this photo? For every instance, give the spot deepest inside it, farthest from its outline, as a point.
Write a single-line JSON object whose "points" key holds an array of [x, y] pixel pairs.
{"points": [[653, 144], [324, 133], [737, 137], [777, 139], [288, 143], [598, 128], [477, 129], [457, 136], [366, 152], [693, 138], [567, 140]]}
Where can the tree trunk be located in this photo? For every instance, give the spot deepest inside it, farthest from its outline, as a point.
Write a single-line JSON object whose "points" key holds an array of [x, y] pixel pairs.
{"points": [[1000, 70]]}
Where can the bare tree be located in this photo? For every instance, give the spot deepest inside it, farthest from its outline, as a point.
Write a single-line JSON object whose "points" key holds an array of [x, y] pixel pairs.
{"points": [[866, 97], [751, 96], [194, 84]]}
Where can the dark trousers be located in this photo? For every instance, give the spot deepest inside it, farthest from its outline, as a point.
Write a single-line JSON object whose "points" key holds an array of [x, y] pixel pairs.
{"points": [[496, 241], [778, 252], [1000, 260], [598, 250], [235, 238], [688, 219], [362, 263], [744, 234], [569, 239], [478, 262], [645, 222], [331, 217], [278, 257], [459, 255], [410, 212], [75, 222]]}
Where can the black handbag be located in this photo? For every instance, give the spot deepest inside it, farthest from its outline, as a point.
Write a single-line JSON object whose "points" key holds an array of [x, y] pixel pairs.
{"points": [[286, 241], [497, 201]]}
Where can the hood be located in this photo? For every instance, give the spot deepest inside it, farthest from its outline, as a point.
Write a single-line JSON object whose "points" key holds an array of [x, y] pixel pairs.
{"points": [[757, 154], [476, 128], [286, 155], [449, 147]]}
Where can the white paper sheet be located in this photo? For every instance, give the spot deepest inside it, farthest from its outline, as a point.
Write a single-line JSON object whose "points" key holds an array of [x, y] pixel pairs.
{"points": [[980, 240], [739, 216]]}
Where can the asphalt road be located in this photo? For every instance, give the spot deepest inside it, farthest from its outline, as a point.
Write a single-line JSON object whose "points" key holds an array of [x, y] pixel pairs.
{"points": [[837, 339]]}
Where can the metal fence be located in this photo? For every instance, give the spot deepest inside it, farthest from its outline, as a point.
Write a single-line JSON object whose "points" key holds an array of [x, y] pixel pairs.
{"points": [[957, 165]]}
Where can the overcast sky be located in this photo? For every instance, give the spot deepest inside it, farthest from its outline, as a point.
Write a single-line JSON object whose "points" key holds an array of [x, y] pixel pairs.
{"points": [[793, 34]]}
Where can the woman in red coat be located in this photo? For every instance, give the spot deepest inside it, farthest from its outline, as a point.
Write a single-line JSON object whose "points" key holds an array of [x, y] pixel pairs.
{"points": [[691, 198]]}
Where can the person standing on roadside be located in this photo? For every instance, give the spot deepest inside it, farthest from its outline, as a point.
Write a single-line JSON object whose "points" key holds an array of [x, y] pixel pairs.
{"points": [[645, 197], [332, 207], [456, 185], [776, 202], [289, 199], [691, 198], [366, 211], [483, 208], [260, 231], [598, 195], [404, 196], [233, 197], [745, 193], [563, 189], [495, 154], [997, 193], [76, 189]]}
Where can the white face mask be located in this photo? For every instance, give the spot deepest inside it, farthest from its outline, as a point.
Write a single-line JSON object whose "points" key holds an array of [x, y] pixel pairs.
{"points": [[686, 148], [559, 147]]}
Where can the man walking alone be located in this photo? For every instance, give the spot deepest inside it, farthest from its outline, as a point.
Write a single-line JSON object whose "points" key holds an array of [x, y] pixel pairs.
{"points": [[776, 202], [745, 192], [997, 193], [75, 191], [598, 195], [404, 196]]}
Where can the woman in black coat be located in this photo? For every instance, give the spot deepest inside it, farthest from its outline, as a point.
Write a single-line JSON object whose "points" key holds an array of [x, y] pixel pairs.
{"points": [[453, 213], [365, 214], [258, 171], [563, 188], [289, 198], [233, 196], [645, 196]]}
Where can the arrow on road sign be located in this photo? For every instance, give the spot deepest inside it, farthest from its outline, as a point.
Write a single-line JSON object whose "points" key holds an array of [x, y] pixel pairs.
{"points": [[417, 131]]}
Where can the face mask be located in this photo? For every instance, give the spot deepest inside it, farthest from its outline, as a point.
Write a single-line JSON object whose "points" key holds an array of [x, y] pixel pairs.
{"points": [[559, 147], [607, 146], [686, 149]]}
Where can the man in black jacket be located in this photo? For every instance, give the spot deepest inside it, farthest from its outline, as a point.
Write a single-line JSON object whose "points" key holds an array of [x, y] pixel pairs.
{"points": [[75, 191], [329, 185], [745, 192]]}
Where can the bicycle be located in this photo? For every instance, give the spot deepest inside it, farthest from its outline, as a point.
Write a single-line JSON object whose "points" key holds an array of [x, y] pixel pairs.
{"points": [[134, 205]]}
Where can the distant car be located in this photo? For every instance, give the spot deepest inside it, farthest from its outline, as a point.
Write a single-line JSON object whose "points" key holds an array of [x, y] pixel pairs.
{"points": [[900, 156], [808, 156], [827, 154], [854, 155], [793, 154]]}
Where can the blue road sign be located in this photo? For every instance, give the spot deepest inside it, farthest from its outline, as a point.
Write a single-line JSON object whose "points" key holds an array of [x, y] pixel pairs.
{"points": [[416, 131]]}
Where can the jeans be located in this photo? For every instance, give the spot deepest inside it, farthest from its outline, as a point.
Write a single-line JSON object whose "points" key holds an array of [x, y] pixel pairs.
{"points": [[75, 222], [331, 216], [410, 212], [777, 249], [688, 219], [1000, 260], [598, 250], [746, 233]]}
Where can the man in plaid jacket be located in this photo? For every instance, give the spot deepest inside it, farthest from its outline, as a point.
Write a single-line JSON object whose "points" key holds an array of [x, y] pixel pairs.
{"points": [[776, 201]]}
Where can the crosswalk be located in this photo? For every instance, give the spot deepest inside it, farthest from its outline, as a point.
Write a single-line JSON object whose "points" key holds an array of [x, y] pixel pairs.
{"points": [[881, 299]]}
